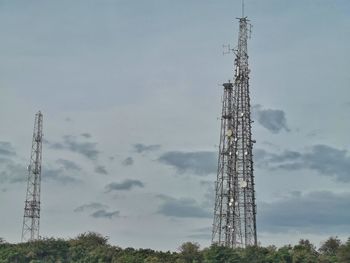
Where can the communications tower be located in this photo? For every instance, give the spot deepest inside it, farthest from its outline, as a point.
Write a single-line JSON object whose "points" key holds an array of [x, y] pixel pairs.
{"points": [[235, 210], [31, 218]]}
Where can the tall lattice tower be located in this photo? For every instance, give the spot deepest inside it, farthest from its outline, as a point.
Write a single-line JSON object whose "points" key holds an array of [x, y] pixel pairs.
{"points": [[235, 210], [31, 219]]}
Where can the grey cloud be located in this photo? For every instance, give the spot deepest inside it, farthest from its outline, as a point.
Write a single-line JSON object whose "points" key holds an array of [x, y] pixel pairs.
{"points": [[12, 172], [199, 163], [201, 233], [86, 135], [128, 161], [125, 185], [58, 175], [105, 214], [204, 236], [183, 208], [15, 173], [100, 169], [209, 196], [91, 206], [68, 165], [87, 149], [325, 160], [315, 212], [6, 149], [140, 148], [271, 119]]}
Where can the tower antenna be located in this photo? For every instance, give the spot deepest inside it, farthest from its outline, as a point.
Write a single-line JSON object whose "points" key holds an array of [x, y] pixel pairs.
{"points": [[31, 218], [235, 210], [242, 8]]}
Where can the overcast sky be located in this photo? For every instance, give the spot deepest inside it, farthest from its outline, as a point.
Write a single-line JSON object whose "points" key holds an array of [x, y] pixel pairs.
{"points": [[131, 97]]}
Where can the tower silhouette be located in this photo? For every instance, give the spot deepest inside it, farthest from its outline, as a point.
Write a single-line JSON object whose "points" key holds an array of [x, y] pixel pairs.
{"points": [[235, 210], [31, 218]]}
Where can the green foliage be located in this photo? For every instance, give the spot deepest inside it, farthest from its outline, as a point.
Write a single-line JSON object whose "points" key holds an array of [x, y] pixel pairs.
{"points": [[94, 248], [328, 250], [304, 252], [189, 253], [218, 254], [344, 252]]}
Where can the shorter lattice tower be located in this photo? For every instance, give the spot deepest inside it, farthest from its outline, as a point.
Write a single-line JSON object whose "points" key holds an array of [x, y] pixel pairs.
{"points": [[31, 218]]}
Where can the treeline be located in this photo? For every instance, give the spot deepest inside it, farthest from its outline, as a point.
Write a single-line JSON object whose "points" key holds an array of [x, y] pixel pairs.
{"points": [[94, 248]]}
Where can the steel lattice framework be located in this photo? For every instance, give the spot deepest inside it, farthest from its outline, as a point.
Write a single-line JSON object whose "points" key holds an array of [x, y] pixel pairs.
{"points": [[235, 210], [31, 219]]}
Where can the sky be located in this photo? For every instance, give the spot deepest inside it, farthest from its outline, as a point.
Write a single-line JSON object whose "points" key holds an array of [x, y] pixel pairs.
{"points": [[131, 97]]}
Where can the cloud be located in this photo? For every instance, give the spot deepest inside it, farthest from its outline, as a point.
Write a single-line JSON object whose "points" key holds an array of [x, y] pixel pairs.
{"points": [[198, 163], [12, 172], [314, 212], [183, 208], [325, 160], [58, 175], [209, 196], [86, 135], [16, 173], [140, 148], [123, 186], [201, 233], [100, 169], [68, 165], [87, 149], [6, 149], [91, 206], [271, 119], [104, 214], [128, 161]]}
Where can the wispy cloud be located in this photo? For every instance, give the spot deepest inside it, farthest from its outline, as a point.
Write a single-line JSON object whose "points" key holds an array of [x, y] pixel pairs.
{"points": [[68, 165], [272, 119], [59, 175], [314, 212], [201, 233], [91, 206], [124, 186], [100, 169], [325, 160], [183, 208], [198, 163], [128, 161], [105, 214], [7, 149], [71, 143], [12, 172], [86, 135], [141, 148]]}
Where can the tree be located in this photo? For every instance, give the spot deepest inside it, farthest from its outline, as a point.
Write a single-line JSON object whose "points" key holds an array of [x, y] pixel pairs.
{"points": [[328, 250], [330, 247], [304, 252], [256, 254], [152, 259], [344, 252], [221, 254], [283, 255], [189, 252]]}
